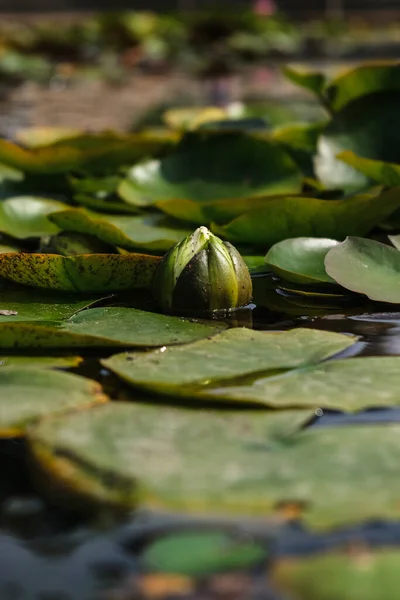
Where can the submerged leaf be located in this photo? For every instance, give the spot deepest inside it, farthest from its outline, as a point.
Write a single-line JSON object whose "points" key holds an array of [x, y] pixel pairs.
{"points": [[366, 267], [300, 260], [91, 273], [231, 354]]}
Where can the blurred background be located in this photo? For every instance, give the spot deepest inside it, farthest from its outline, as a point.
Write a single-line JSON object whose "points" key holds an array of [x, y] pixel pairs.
{"points": [[73, 64]]}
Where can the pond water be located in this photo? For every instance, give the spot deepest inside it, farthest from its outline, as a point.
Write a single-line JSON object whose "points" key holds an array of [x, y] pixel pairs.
{"points": [[48, 554]]}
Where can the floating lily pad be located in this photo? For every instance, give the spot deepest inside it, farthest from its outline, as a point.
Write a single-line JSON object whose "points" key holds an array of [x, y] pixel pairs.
{"points": [[300, 260], [105, 327], [310, 80], [90, 273], [72, 243], [26, 216], [377, 170], [151, 232], [202, 553], [310, 217], [40, 362], [360, 573], [222, 462], [130, 454], [347, 385], [256, 264], [366, 267], [87, 151], [231, 354], [26, 395], [366, 127], [213, 166], [30, 305]]}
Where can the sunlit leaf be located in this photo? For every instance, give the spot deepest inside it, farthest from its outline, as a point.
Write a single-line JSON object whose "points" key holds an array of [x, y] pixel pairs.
{"points": [[377, 170], [310, 217], [25, 216], [91, 273], [366, 267]]}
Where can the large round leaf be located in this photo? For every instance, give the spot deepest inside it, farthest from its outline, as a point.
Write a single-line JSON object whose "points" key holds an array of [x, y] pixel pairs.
{"points": [[310, 217], [105, 327], [231, 354], [26, 395], [366, 267], [213, 166], [93, 273], [382, 172], [300, 260], [366, 126], [222, 462], [130, 454], [151, 232], [26, 216], [347, 385]]}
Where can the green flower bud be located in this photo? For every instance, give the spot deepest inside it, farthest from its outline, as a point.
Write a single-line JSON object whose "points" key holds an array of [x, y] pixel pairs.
{"points": [[202, 274]]}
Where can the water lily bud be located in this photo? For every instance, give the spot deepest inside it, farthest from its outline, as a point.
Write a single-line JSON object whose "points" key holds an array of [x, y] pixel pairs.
{"points": [[202, 274]]}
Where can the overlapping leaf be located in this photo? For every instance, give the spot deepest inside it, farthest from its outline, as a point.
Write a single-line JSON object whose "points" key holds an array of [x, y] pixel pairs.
{"points": [[25, 216]]}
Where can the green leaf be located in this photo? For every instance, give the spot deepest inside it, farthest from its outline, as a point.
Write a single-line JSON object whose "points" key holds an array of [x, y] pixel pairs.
{"points": [[27, 395], [347, 385], [130, 454], [149, 232], [383, 172], [105, 327], [213, 166], [366, 267], [361, 573], [300, 141], [310, 217], [201, 553], [256, 264], [40, 362], [27, 216], [31, 305], [91, 273], [300, 260], [231, 354], [368, 127], [85, 152], [362, 80], [223, 462], [311, 81]]}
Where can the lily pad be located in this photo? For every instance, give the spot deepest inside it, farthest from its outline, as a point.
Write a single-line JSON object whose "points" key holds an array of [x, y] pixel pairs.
{"points": [[310, 217], [360, 573], [367, 127], [105, 327], [347, 385], [366, 267], [27, 216], [310, 80], [213, 166], [85, 152], [202, 553], [383, 172], [256, 264], [41, 362], [126, 455], [300, 260], [151, 232], [31, 305], [231, 354], [130, 454], [91, 273], [26, 395]]}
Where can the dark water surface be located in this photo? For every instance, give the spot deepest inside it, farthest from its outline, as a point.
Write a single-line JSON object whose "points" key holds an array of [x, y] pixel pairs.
{"points": [[47, 554]]}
